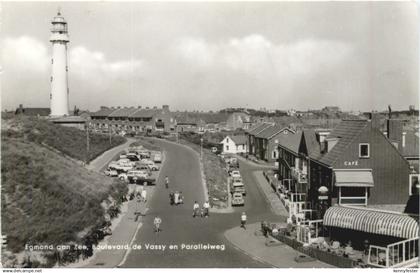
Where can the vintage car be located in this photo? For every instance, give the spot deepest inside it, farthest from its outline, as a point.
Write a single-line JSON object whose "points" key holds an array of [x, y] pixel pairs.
{"points": [[238, 199]]}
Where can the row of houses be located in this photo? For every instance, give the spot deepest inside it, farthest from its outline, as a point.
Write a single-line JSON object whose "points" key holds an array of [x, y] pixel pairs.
{"points": [[358, 162], [138, 119], [358, 181]]}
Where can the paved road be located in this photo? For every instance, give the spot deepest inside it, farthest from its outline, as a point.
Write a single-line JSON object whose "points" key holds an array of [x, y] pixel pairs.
{"points": [[179, 227], [99, 163]]}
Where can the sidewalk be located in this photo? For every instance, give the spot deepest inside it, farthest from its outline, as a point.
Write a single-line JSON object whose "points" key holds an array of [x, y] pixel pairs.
{"points": [[277, 256], [124, 229], [276, 205], [259, 164]]}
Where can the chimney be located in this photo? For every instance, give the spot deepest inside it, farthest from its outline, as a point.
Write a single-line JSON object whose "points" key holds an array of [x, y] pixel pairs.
{"points": [[375, 120], [395, 133], [403, 139]]}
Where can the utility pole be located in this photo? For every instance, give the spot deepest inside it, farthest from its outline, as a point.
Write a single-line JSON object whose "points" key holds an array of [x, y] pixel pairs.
{"points": [[87, 142], [110, 135], [201, 148]]}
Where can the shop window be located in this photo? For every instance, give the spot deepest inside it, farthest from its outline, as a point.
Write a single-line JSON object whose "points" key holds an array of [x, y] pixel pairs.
{"points": [[364, 150], [275, 156], [414, 184]]}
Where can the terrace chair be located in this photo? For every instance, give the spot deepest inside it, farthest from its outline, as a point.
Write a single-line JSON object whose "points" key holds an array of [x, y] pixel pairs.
{"points": [[335, 247]]}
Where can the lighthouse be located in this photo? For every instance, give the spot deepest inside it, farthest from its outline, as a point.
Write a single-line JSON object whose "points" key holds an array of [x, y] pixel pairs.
{"points": [[59, 96]]}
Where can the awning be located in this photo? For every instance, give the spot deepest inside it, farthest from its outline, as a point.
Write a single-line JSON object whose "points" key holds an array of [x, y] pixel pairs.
{"points": [[353, 178], [371, 221]]}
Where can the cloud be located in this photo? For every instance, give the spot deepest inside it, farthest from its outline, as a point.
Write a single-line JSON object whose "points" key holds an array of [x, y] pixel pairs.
{"points": [[24, 54], [28, 54], [256, 55], [94, 66]]}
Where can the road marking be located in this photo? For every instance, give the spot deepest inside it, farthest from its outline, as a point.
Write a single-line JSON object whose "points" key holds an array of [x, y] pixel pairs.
{"points": [[140, 224]]}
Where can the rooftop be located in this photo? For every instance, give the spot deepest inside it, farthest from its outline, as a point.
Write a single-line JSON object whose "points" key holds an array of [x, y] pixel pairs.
{"points": [[346, 131], [123, 112], [239, 139], [291, 141]]}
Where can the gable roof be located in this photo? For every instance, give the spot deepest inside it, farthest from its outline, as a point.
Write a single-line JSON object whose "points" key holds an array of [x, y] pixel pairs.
{"points": [[123, 112], [272, 131], [346, 132], [103, 113], [313, 147], [238, 139], [143, 113], [290, 141], [259, 128]]}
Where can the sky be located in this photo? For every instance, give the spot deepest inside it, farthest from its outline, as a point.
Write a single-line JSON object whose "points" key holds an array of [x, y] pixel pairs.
{"points": [[208, 56]]}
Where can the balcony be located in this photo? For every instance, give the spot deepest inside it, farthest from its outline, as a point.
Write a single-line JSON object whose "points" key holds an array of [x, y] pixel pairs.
{"points": [[300, 177]]}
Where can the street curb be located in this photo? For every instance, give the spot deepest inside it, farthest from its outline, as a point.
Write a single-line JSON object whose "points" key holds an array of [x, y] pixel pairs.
{"points": [[254, 257], [273, 210]]}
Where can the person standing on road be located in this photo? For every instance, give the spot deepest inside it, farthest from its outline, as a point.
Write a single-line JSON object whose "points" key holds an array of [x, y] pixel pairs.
{"points": [[206, 208], [196, 209], [166, 182], [171, 198], [144, 195], [243, 220], [157, 221]]}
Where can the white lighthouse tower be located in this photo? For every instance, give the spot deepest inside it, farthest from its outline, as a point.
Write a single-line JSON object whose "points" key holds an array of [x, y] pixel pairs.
{"points": [[59, 96]]}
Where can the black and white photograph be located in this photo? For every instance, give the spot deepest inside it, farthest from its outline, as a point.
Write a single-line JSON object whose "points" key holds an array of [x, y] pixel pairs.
{"points": [[209, 134]]}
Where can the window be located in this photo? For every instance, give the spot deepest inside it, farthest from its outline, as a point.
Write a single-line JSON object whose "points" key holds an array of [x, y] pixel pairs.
{"points": [[227, 140], [364, 151], [275, 156], [227, 147], [414, 184]]}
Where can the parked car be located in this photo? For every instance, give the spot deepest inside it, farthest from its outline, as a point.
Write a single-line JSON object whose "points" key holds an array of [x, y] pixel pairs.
{"points": [[111, 173], [123, 176], [144, 154], [140, 177], [146, 161], [157, 158], [137, 174], [238, 187], [238, 199], [235, 173], [132, 157], [113, 165], [153, 167]]}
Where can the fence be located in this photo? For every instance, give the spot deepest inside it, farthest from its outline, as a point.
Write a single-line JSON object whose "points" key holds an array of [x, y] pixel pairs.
{"points": [[399, 254]]}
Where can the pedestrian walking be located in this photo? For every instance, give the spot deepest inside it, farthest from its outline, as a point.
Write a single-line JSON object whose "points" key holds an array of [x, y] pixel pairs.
{"points": [[206, 208], [181, 198], [243, 220], [166, 182], [157, 221], [144, 195], [171, 198], [176, 197], [196, 209]]}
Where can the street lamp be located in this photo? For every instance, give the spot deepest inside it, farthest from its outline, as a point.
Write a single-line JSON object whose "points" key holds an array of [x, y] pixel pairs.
{"points": [[322, 197], [201, 147]]}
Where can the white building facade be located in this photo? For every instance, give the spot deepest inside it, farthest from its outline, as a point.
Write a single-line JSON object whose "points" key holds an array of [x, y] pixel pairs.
{"points": [[59, 96], [234, 145]]}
